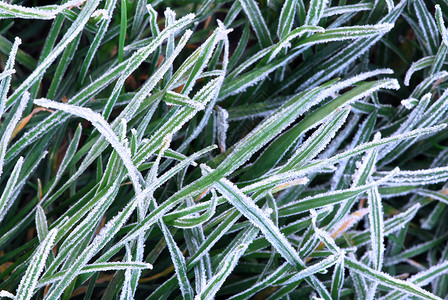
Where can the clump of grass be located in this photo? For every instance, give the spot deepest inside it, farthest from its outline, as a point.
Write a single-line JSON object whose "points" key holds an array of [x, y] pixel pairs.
{"points": [[230, 149]]}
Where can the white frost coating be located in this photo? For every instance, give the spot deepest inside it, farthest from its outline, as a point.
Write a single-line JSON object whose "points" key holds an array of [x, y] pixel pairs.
{"points": [[409, 103], [422, 278], [319, 267], [104, 128], [4, 85], [427, 24], [169, 13], [154, 169], [390, 5], [441, 24], [226, 267], [284, 178], [418, 65], [284, 42], [286, 19], [247, 207], [41, 223], [102, 13], [386, 83], [318, 140], [350, 33], [91, 218], [418, 91], [434, 195], [338, 282], [362, 166], [7, 294], [44, 12], [208, 92], [363, 147], [231, 90], [389, 281], [4, 140], [178, 261], [414, 120], [315, 11], [344, 9], [253, 13], [105, 234], [126, 290], [6, 73], [147, 87], [419, 177], [9, 188], [206, 50], [222, 126], [170, 17], [376, 221], [360, 189], [292, 109], [225, 60], [176, 99], [340, 138], [138, 57], [194, 220], [343, 60], [325, 237], [76, 27], [36, 265]]}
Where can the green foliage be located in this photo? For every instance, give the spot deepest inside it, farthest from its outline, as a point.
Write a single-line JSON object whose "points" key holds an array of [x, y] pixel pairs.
{"points": [[230, 149]]}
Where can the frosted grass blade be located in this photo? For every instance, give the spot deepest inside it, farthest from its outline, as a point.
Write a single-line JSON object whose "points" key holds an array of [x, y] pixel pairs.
{"points": [[193, 221], [5, 138], [99, 36], [7, 294], [41, 224], [428, 26], [317, 141], [422, 278], [8, 191], [420, 177], [29, 281], [422, 63], [315, 11], [389, 281], [71, 34], [246, 206], [376, 227], [319, 200], [179, 264], [253, 13], [226, 266], [71, 150], [345, 9], [6, 82], [286, 19], [139, 56], [38, 13], [318, 267], [391, 225], [99, 267], [105, 129]]}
